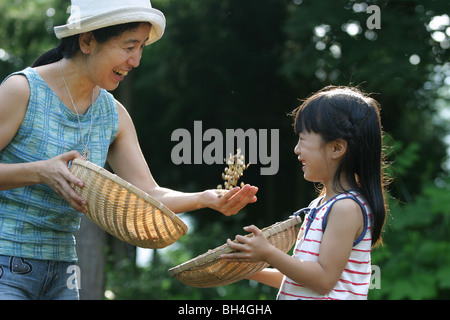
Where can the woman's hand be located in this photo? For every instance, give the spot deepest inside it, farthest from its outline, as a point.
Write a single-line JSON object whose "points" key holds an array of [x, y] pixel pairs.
{"points": [[249, 249], [56, 174], [232, 201]]}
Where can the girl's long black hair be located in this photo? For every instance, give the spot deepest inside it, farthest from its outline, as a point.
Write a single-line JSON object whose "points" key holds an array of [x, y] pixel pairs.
{"points": [[346, 113], [69, 46]]}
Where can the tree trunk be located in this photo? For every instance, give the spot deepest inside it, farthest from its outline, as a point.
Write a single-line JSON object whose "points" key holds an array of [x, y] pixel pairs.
{"points": [[91, 242]]}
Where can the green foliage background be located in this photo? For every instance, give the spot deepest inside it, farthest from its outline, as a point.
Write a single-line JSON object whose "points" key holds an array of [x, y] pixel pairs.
{"points": [[247, 64]]}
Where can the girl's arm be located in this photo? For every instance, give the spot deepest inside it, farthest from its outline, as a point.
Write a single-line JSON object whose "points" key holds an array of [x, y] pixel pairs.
{"points": [[127, 161], [344, 225], [269, 276]]}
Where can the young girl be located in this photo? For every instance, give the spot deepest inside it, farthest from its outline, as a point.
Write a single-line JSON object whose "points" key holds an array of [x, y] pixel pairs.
{"points": [[340, 147]]}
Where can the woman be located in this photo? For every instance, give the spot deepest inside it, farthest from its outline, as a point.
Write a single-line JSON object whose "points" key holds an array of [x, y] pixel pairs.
{"points": [[59, 110]]}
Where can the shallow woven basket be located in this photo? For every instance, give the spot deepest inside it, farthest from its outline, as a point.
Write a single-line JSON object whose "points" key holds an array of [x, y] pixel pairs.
{"points": [[125, 211], [208, 270]]}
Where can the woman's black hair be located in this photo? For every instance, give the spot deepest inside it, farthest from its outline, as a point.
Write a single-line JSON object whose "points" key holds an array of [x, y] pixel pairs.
{"points": [[69, 46], [346, 113]]}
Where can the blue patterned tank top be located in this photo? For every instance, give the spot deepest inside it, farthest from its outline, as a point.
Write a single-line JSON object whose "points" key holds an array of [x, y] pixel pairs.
{"points": [[36, 222]]}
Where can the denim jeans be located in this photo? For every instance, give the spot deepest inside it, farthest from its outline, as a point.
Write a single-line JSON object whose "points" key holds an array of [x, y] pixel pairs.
{"points": [[30, 279]]}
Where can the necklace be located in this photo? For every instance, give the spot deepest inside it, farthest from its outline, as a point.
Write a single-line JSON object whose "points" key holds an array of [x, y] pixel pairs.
{"points": [[85, 153]]}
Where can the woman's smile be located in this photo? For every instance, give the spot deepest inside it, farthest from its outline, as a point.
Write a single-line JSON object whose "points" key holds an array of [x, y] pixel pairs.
{"points": [[120, 74]]}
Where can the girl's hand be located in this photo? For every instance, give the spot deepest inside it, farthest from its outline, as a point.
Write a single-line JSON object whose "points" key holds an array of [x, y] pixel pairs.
{"points": [[56, 174], [249, 249], [232, 201]]}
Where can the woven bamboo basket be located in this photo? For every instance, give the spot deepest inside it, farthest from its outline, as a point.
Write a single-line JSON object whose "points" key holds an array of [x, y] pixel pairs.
{"points": [[208, 270], [125, 211]]}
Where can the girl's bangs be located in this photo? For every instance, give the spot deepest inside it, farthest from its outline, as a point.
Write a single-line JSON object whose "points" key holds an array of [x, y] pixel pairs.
{"points": [[307, 117]]}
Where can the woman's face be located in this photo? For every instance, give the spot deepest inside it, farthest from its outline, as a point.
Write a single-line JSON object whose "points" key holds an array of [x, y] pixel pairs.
{"points": [[108, 63]]}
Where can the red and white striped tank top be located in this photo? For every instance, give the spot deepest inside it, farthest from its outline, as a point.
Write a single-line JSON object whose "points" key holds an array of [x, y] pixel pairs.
{"points": [[355, 279]]}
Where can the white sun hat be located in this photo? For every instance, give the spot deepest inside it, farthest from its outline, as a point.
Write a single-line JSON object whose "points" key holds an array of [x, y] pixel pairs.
{"points": [[88, 15]]}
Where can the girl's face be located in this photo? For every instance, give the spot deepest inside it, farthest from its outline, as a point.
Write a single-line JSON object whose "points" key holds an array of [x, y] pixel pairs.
{"points": [[109, 63], [312, 154]]}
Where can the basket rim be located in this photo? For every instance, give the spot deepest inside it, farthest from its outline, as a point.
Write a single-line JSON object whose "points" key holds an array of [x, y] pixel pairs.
{"points": [[132, 189], [214, 254]]}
